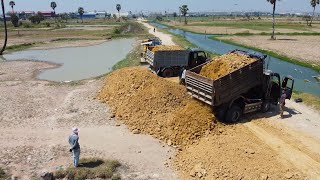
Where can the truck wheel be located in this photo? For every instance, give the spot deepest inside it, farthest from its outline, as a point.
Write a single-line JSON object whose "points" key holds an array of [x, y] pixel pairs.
{"points": [[233, 114], [167, 73], [265, 107]]}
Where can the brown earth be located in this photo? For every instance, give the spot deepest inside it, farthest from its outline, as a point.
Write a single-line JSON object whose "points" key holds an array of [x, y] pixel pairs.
{"points": [[302, 48], [207, 149], [225, 64], [166, 48], [147, 103], [235, 153]]}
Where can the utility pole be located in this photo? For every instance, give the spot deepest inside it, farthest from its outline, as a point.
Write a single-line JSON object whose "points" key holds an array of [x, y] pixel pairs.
{"points": [[5, 28]]}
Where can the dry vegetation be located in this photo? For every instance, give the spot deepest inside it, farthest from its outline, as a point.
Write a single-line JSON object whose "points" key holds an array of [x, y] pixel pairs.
{"points": [[91, 168]]}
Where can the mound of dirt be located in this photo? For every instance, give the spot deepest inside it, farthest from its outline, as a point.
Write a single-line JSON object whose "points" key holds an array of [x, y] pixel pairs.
{"points": [[166, 48], [234, 153], [225, 64], [153, 105]]}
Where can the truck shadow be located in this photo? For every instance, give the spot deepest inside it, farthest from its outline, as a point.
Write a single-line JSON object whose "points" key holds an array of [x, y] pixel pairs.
{"points": [[273, 113]]}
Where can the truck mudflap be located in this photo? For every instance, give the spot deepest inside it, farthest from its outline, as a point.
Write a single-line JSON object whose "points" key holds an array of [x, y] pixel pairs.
{"points": [[149, 57], [199, 87], [248, 108]]}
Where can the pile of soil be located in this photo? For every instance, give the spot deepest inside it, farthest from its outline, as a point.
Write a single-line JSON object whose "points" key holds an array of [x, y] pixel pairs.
{"points": [[166, 48], [153, 105], [234, 153], [225, 64]]}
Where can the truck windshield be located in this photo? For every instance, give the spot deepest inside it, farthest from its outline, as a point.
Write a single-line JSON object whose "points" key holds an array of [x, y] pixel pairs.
{"points": [[201, 54]]}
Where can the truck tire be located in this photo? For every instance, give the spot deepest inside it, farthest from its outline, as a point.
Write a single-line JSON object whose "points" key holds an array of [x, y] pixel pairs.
{"points": [[168, 72], [265, 107], [233, 114]]}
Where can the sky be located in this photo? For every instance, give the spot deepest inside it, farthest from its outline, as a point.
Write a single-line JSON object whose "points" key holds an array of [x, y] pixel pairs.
{"points": [[162, 5]]}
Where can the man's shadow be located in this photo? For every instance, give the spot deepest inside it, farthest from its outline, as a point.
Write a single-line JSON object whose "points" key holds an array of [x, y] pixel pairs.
{"points": [[91, 164]]}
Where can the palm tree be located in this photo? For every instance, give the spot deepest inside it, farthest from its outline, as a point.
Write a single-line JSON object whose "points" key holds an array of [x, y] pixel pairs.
{"points": [[12, 3], [118, 7], [81, 11], [184, 11], [273, 2], [313, 4], [5, 29], [53, 5]]}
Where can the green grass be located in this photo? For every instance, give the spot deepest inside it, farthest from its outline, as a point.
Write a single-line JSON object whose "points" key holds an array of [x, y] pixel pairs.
{"points": [[132, 59], [3, 174], [308, 99], [19, 47], [181, 41], [91, 168], [270, 53]]}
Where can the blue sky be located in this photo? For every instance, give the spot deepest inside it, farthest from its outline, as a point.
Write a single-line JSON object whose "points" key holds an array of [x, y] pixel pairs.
{"points": [[163, 5]]}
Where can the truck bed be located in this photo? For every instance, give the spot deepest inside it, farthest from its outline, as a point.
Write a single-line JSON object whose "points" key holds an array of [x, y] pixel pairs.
{"points": [[167, 58], [226, 88]]}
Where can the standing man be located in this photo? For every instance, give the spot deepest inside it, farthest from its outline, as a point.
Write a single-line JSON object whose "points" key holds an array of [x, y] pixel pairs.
{"points": [[154, 29], [74, 146], [282, 102]]}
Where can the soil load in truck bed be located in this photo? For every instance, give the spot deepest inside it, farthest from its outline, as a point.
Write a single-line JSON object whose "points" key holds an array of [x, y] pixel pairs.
{"points": [[225, 64], [166, 48]]}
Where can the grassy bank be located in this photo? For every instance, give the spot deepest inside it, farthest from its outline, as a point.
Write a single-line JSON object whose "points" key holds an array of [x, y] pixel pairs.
{"points": [[270, 53], [91, 168], [308, 99], [132, 59]]}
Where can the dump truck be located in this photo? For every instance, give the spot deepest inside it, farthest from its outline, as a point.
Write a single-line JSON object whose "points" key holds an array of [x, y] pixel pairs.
{"points": [[248, 89], [149, 44], [170, 63]]}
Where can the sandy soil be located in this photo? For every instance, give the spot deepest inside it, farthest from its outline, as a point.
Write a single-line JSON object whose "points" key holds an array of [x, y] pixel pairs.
{"points": [[303, 48], [36, 117]]}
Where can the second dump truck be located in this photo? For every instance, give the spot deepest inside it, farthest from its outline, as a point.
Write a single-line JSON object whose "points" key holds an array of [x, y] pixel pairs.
{"points": [[248, 89], [170, 63]]}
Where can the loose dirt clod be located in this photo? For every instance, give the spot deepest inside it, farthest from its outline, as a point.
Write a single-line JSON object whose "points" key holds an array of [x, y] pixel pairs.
{"points": [[156, 106], [166, 48], [225, 64]]}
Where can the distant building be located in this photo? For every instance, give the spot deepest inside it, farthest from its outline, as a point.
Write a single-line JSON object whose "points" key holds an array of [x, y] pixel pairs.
{"points": [[101, 14], [87, 15], [8, 18], [47, 14]]}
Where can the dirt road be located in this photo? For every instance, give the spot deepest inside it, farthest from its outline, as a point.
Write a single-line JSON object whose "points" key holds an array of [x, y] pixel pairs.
{"points": [[166, 39], [36, 117]]}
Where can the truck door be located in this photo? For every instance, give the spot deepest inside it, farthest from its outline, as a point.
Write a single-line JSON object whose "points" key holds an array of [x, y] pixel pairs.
{"points": [[192, 60], [287, 84], [275, 91]]}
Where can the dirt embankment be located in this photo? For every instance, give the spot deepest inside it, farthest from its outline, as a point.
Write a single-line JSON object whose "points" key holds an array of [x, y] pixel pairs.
{"points": [[208, 149], [152, 105]]}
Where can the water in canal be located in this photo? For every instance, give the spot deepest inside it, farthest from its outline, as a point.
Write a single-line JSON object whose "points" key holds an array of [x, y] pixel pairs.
{"points": [[78, 63], [304, 81]]}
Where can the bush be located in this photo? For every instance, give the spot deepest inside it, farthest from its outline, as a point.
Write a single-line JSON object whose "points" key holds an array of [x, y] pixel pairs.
{"points": [[3, 174], [27, 25], [47, 24], [91, 168], [36, 19]]}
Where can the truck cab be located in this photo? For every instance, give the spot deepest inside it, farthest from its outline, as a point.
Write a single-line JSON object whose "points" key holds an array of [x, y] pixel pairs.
{"points": [[196, 57]]}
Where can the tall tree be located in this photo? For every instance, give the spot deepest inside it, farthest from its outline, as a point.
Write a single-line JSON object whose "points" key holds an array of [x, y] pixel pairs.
{"points": [[5, 28], [53, 5], [273, 2], [184, 11], [81, 11], [118, 7], [12, 3], [174, 16], [313, 4]]}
